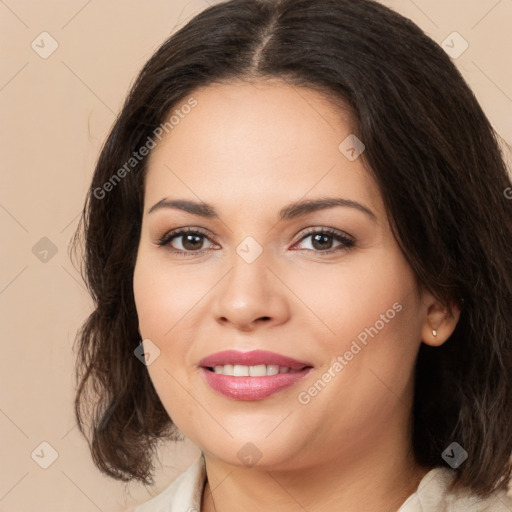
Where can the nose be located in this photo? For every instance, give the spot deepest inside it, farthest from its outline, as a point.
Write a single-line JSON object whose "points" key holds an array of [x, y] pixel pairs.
{"points": [[249, 295]]}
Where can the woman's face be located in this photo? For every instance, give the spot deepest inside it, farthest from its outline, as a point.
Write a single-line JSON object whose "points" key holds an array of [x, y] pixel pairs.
{"points": [[253, 279]]}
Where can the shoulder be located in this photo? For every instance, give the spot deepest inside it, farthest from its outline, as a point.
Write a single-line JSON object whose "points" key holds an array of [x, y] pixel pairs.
{"points": [[432, 496], [183, 494]]}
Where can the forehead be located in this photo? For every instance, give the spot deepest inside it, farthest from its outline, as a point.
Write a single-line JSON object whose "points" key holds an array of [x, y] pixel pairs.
{"points": [[260, 139]]}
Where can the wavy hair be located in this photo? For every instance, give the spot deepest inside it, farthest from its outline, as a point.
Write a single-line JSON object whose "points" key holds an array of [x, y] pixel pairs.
{"points": [[442, 176]]}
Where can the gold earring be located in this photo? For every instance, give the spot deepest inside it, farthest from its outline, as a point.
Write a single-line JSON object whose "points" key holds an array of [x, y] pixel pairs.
{"points": [[434, 332]]}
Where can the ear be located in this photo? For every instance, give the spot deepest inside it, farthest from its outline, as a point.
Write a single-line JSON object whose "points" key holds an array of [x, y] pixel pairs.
{"points": [[438, 318]]}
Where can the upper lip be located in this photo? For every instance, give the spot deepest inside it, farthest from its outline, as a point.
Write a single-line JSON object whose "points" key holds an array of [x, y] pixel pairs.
{"points": [[252, 358]]}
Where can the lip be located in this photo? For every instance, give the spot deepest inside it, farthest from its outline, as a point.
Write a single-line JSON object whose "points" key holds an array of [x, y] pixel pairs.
{"points": [[252, 388], [252, 358]]}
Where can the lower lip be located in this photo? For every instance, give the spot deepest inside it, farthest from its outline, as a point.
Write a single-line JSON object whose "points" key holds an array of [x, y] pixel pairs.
{"points": [[251, 388]]}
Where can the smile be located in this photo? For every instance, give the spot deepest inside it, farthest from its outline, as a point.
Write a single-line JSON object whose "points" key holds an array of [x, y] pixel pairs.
{"points": [[251, 375], [259, 370]]}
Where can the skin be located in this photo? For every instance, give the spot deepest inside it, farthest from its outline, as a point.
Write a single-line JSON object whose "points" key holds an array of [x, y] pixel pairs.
{"points": [[249, 149]]}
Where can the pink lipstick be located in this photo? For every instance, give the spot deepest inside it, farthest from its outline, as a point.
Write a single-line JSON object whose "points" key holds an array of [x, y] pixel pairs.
{"points": [[251, 375]]}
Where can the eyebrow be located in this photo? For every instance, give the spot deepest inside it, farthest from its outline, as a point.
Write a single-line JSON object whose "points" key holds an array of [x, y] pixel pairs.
{"points": [[291, 211]]}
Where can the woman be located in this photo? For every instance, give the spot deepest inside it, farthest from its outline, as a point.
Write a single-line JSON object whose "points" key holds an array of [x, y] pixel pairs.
{"points": [[299, 242]]}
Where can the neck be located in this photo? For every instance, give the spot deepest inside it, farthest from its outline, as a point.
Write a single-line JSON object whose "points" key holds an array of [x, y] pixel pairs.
{"points": [[380, 479]]}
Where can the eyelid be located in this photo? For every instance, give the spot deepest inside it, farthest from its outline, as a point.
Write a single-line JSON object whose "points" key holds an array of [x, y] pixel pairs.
{"points": [[329, 231], [177, 232], [347, 241]]}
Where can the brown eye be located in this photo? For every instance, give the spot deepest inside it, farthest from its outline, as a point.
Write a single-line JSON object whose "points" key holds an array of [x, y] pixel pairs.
{"points": [[191, 241], [322, 240]]}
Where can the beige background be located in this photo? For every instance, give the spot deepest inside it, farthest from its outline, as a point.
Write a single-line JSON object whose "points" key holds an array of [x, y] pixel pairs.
{"points": [[56, 113]]}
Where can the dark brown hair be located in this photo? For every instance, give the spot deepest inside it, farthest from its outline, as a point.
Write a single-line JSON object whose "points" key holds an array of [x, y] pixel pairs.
{"points": [[438, 165]]}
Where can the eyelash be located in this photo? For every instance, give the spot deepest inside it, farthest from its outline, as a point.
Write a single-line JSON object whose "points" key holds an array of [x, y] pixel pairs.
{"points": [[348, 243]]}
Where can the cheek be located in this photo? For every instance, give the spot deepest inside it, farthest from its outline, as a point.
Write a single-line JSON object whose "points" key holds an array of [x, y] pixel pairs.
{"points": [[162, 297], [394, 350], [161, 300], [372, 311], [381, 334], [364, 297], [377, 337]]}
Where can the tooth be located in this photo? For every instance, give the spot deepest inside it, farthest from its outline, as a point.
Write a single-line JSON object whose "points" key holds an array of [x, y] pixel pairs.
{"points": [[240, 371], [272, 369], [259, 370], [228, 369]]}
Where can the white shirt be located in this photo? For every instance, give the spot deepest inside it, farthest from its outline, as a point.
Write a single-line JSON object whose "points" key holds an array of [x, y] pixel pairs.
{"points": [[186, 491]]}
